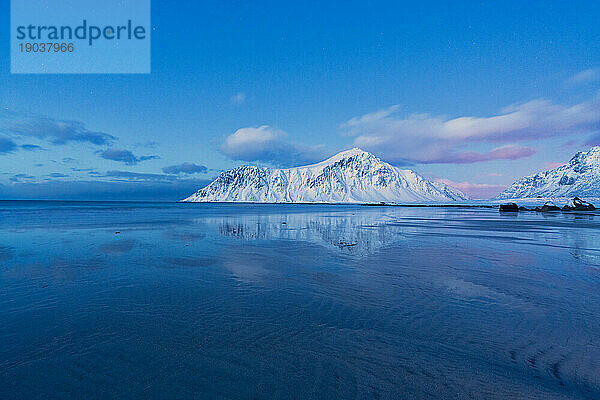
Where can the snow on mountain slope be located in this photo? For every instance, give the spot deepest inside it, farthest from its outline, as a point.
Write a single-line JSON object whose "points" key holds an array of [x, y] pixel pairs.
{"points": [[580, 177], [352, 176]]}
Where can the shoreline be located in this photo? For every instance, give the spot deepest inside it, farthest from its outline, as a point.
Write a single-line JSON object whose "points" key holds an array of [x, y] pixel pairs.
{"points": [[526, 204]]}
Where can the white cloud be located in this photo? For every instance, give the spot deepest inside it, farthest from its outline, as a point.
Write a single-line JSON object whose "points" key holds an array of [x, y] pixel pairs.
{"points": [[267, 144], [238, 98], [588, 75]]}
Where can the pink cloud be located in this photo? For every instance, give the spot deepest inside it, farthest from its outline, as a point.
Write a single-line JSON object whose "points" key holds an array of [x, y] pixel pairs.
{"points": [[552, 165], [475, 190], [508, 152], [571, 143]]}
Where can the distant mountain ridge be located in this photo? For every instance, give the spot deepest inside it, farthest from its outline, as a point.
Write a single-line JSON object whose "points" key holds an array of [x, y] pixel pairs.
{"points": [[579, 177], [352, 176]]}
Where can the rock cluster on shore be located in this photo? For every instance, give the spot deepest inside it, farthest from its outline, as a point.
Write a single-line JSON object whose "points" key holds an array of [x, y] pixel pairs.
{"points": [[576, 204], [579, 205], [510, 207]]}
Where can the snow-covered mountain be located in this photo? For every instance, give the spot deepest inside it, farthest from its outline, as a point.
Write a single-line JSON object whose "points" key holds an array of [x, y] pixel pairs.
{"points": [[580, 177], [352, 176]]}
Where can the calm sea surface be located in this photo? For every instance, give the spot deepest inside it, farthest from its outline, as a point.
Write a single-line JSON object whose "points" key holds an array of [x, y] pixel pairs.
{"points": [[202, 301]]}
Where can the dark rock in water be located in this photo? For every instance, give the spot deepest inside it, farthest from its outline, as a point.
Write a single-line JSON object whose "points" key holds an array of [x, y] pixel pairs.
{"points": [[579, 205], [512, 207], [521, 208], [549, 206]]}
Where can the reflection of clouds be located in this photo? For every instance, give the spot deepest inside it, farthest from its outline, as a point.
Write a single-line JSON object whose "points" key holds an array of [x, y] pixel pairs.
{"points": [[56, 270], [468, 289], [474, 291], [246, 269], [265, 265], [118, 247], [189, 261]]}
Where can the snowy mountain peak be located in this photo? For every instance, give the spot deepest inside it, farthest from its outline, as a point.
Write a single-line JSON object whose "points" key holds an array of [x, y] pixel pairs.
{"points": [[351, 153], [579, 177], [354, 154], [351, 176], [586, 158]]}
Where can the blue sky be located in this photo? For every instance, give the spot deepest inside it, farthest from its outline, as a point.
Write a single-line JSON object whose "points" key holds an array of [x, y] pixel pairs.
{"points": [[475, 93]]}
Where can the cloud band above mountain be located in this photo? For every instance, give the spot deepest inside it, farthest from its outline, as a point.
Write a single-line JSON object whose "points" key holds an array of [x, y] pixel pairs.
{"points": [[422, 138]]}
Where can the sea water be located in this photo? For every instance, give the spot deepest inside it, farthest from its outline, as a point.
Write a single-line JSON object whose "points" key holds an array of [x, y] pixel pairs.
{"points": [[175, 301]]}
